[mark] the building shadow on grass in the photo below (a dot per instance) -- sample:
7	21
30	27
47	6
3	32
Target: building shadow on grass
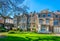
13	38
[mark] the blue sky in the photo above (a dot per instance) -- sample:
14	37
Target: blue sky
38	5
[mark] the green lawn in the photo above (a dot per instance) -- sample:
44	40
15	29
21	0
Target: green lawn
30	37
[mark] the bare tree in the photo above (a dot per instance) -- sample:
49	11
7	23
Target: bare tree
7	5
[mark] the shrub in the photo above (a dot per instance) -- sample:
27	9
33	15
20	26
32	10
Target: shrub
21	30
11	32
2	29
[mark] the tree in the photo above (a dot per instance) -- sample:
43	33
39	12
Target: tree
7	6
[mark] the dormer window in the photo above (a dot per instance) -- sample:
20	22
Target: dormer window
49	15
43	15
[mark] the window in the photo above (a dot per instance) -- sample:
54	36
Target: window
29	25
59	16
0	25
23	19
15	21
55	22
7	20
43	28
56	16
0	15
43	15
47	21
49	15
33	20
0	18
40	21
29	20
39	15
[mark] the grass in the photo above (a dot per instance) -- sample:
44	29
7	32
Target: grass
28	36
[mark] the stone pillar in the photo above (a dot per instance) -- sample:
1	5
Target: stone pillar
39	28
31	26
25	27
36	27
47	28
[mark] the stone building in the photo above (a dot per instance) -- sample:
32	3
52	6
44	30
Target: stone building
20	21
33	21
1	21
45	22
42	22
8	23
56	22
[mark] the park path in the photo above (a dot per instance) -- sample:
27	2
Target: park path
3	35
56	34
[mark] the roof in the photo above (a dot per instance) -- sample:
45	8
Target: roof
57	12
7	17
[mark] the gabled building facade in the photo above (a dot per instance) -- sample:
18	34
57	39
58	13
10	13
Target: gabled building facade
49	22
1	21
33	21
8	23
43	22
21	22
57	22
